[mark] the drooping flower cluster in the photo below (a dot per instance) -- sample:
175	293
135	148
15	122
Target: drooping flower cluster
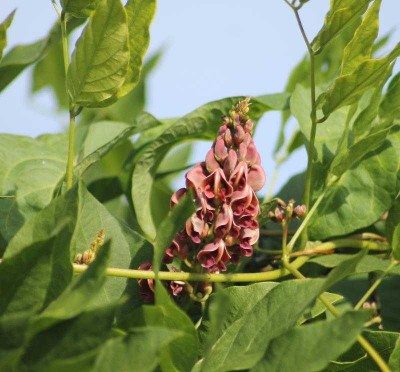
224	227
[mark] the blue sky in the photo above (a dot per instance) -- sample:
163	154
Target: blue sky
213	49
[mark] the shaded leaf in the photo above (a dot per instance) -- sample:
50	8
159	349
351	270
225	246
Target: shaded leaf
69	344
393	228
330	338
30	169
26	277
140	349
389	107
394	360
100	60
341	15
3	32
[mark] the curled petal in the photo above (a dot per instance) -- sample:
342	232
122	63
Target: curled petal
211	163
220	150
176	196
216	186
146	286
196	228
224	221
246	249
250	236
230	163
241	199
239	176
213	254
256	177
195	176
205	208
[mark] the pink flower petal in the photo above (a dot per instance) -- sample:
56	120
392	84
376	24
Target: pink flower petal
230	163
220	150
223	222
256	177
195	176
211	163
176	196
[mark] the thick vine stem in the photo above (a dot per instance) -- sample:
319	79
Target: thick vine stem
235	277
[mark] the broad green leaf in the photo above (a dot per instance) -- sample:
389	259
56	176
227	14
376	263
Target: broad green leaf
229	304
341	15
389	107
347	89
3	32
79	8
245	341
138	350
13	331
360	47
30	169
100	60
368	264
80	294
393	228
394	360
361	195
173	223
140	14
319	308
102	137
202	123
346	159
356	359
330	338
18	58
27	278
183	353
70	344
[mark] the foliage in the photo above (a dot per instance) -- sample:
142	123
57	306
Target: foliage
101	269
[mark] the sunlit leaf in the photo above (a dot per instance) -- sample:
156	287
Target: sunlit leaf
3	32
390	107
393	228
100	60
79	8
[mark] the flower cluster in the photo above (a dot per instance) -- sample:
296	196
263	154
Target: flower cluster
224	227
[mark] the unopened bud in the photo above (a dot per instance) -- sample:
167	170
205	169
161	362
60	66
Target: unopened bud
300	211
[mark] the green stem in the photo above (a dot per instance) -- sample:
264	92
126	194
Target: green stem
234	277
71	130
313	115
335	312
303	226
374	286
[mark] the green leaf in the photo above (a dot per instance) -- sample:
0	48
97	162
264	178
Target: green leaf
173	223
13	331
360	47
341	15
389	107
27	277
265	208
361	195
356	359
140	349
80	295
393	228
330	338
347	89
347	158
69	344
394	360
3	32
104	136
140	14
18	58
183	353
30	169
100	60
245	341
202	123
79	8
